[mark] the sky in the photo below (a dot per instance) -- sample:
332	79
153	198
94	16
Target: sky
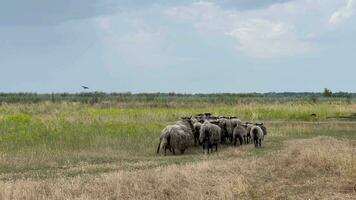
184	46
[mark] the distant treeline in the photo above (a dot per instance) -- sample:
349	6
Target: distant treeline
177	98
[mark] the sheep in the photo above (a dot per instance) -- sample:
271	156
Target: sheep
208	115
203	116
165	138
227	128
222	124
197	127
178	136
263	127
235	121
187	126
240	133
257	135
173	137
200	118
196	131
210	135
248	127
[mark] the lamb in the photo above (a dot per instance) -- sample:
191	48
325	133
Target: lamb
240	133
174	137
210	135
257	135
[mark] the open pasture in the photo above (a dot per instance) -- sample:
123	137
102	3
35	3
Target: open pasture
108	151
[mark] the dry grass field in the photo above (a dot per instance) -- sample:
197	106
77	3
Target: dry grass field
81	151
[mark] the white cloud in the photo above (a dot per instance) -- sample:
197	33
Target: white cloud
204	15
264	39
146	49
258	33
279	30
139	45
343	14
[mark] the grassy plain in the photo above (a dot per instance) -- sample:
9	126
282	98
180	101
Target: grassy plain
107	151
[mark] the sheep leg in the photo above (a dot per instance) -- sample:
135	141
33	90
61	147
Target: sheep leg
174	153
205	147
159	145
216	147
182	151
255	141
196	141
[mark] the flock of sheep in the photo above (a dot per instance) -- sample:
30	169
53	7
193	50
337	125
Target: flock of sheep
209	131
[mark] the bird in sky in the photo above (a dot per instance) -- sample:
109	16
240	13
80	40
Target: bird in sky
85	87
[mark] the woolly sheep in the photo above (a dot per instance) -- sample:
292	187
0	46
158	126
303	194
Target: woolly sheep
196	131
240	133
235	122
248	127
202	117
227	128
222	124
210	135
174	137
257	135
263	127
186	124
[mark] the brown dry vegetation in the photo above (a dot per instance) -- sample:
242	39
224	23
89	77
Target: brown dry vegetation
317	168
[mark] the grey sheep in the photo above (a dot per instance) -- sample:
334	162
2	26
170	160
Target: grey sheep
196	126
210	135
248	127
235	122
187	125
222	124
240	133
263	127
227	129
174	137
257	135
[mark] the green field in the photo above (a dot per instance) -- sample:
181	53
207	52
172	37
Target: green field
64	149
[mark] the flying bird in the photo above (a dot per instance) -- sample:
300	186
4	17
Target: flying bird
85	87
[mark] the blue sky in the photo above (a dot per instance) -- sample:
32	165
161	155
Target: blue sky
182	46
